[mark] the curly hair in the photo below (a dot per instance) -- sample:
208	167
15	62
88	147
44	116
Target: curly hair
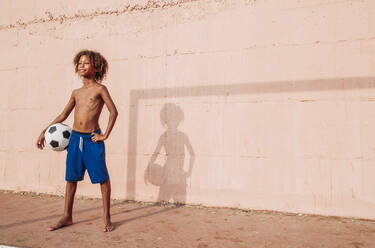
97	60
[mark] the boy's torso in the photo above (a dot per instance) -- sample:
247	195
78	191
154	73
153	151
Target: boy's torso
88	107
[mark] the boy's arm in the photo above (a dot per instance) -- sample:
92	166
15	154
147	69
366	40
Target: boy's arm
112	114
60	118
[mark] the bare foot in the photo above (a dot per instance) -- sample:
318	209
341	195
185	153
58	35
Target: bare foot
108	227
64	221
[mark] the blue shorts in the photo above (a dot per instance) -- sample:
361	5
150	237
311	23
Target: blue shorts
84	154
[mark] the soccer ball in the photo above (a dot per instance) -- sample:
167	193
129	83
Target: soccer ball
57	136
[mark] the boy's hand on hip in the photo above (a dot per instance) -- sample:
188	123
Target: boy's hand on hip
97	137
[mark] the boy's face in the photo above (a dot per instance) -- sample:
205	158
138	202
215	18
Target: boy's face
85	67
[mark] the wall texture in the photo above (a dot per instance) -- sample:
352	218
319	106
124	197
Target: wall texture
271	104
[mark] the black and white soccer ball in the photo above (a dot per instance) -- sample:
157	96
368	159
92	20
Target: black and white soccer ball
57	136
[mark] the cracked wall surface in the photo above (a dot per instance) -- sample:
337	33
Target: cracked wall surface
272	101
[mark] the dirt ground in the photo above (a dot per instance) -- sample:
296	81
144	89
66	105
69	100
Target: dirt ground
24	218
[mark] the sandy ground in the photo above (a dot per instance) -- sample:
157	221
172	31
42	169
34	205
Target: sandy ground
24	219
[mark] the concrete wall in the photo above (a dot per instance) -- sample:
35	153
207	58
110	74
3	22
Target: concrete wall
273	101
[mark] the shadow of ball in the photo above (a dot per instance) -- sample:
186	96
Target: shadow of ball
156	174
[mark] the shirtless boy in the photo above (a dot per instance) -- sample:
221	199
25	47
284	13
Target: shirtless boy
86	147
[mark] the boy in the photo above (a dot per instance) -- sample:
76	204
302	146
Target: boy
86	147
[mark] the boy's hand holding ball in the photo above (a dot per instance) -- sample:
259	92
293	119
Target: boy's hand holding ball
40	143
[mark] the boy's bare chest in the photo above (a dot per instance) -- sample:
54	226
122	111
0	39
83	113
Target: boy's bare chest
87	98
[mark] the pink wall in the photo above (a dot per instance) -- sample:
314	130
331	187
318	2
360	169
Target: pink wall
277	99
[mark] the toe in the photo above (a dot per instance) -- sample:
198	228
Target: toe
108	228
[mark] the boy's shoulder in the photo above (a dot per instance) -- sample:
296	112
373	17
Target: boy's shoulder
101	86
74	91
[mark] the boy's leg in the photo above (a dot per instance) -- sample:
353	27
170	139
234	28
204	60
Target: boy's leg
67	219
106	196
